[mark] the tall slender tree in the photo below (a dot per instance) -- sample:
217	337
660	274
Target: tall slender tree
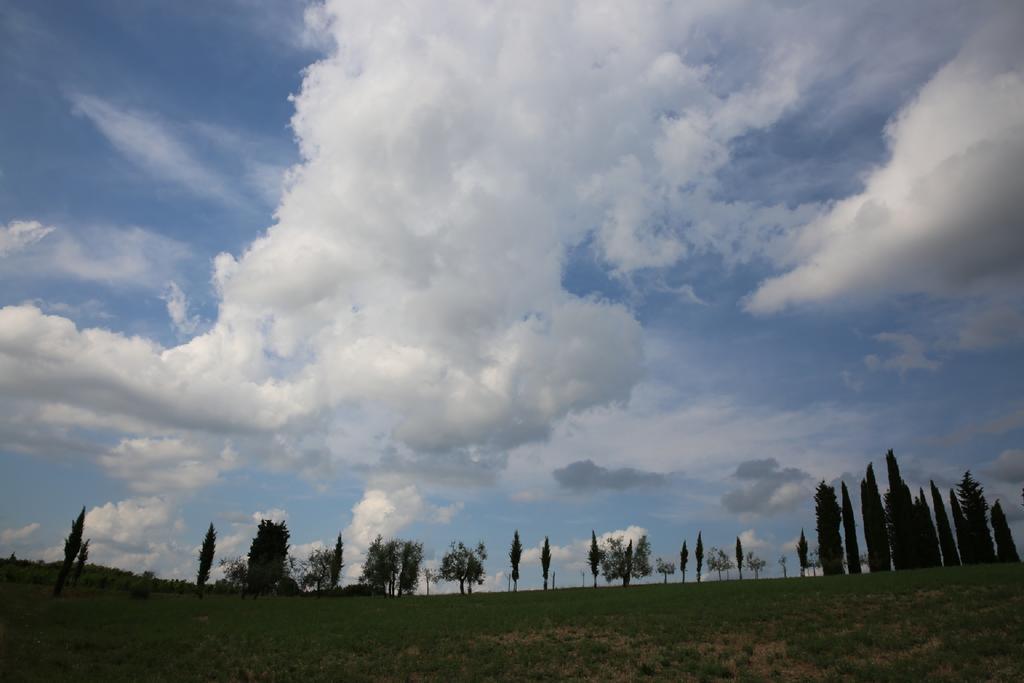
950	557
900	517
699	556
684	555
545	560
850	533
963	535
515	554
975	508
927	551
337	561
801	553
830	544
205	559
594	557
83	557
875	532
1006	550
739	557
72	544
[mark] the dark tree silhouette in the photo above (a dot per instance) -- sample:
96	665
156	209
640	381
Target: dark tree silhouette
545	560
850	533
1006	550
594	557
830	544
464	565
515	554
641	566
337	561
876	534
975	510
900	517
699	556
267	556
963	533
950	557
83	557
205	560
617	560
801	553
684	555
927	550
72	544
739	557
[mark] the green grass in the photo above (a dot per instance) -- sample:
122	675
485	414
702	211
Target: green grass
939	624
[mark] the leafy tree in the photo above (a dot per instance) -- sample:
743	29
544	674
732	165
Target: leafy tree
814	559
392	567
545	560
316	572
514	555
236	574
876	534
641	566
267	557
409	571
963	534
950	557
755	564
928	554
975	509
594	557
684	555
665	568
464	565
830	545
719	561
699	555
83	557
206	559
782	563
1006	550
72	544
337	562
429	576
617	560
739	557
900	517
850	533
801	553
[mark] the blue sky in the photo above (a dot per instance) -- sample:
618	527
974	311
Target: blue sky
448	271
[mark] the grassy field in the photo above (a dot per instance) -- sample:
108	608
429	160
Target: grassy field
939	624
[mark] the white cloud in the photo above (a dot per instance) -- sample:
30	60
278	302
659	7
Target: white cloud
155	465
15	535
177	309
18	235
750	541
942	215
386	512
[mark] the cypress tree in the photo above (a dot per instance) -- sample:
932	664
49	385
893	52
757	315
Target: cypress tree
515	553
83	557
830	545
975	509
1006	551
206	559
801	553
72	544
875	532
963	536
739	557
900	517
338	561
594	557
699	555
850	533
927	540
684	555
545	560
950	557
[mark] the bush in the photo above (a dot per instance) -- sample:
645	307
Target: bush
141	588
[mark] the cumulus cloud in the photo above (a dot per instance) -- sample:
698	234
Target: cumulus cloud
15	535
585	475
17	235
155	465
386	512
942	215
766	488
573	555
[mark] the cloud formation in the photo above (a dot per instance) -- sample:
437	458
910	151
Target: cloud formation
586	476
766	488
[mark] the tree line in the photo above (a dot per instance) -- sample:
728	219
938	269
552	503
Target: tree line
900	530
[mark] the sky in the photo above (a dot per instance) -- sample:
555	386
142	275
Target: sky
445	270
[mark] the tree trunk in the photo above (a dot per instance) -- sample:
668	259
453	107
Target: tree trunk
462	587
595	580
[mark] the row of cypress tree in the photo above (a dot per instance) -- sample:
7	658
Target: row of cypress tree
899	527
